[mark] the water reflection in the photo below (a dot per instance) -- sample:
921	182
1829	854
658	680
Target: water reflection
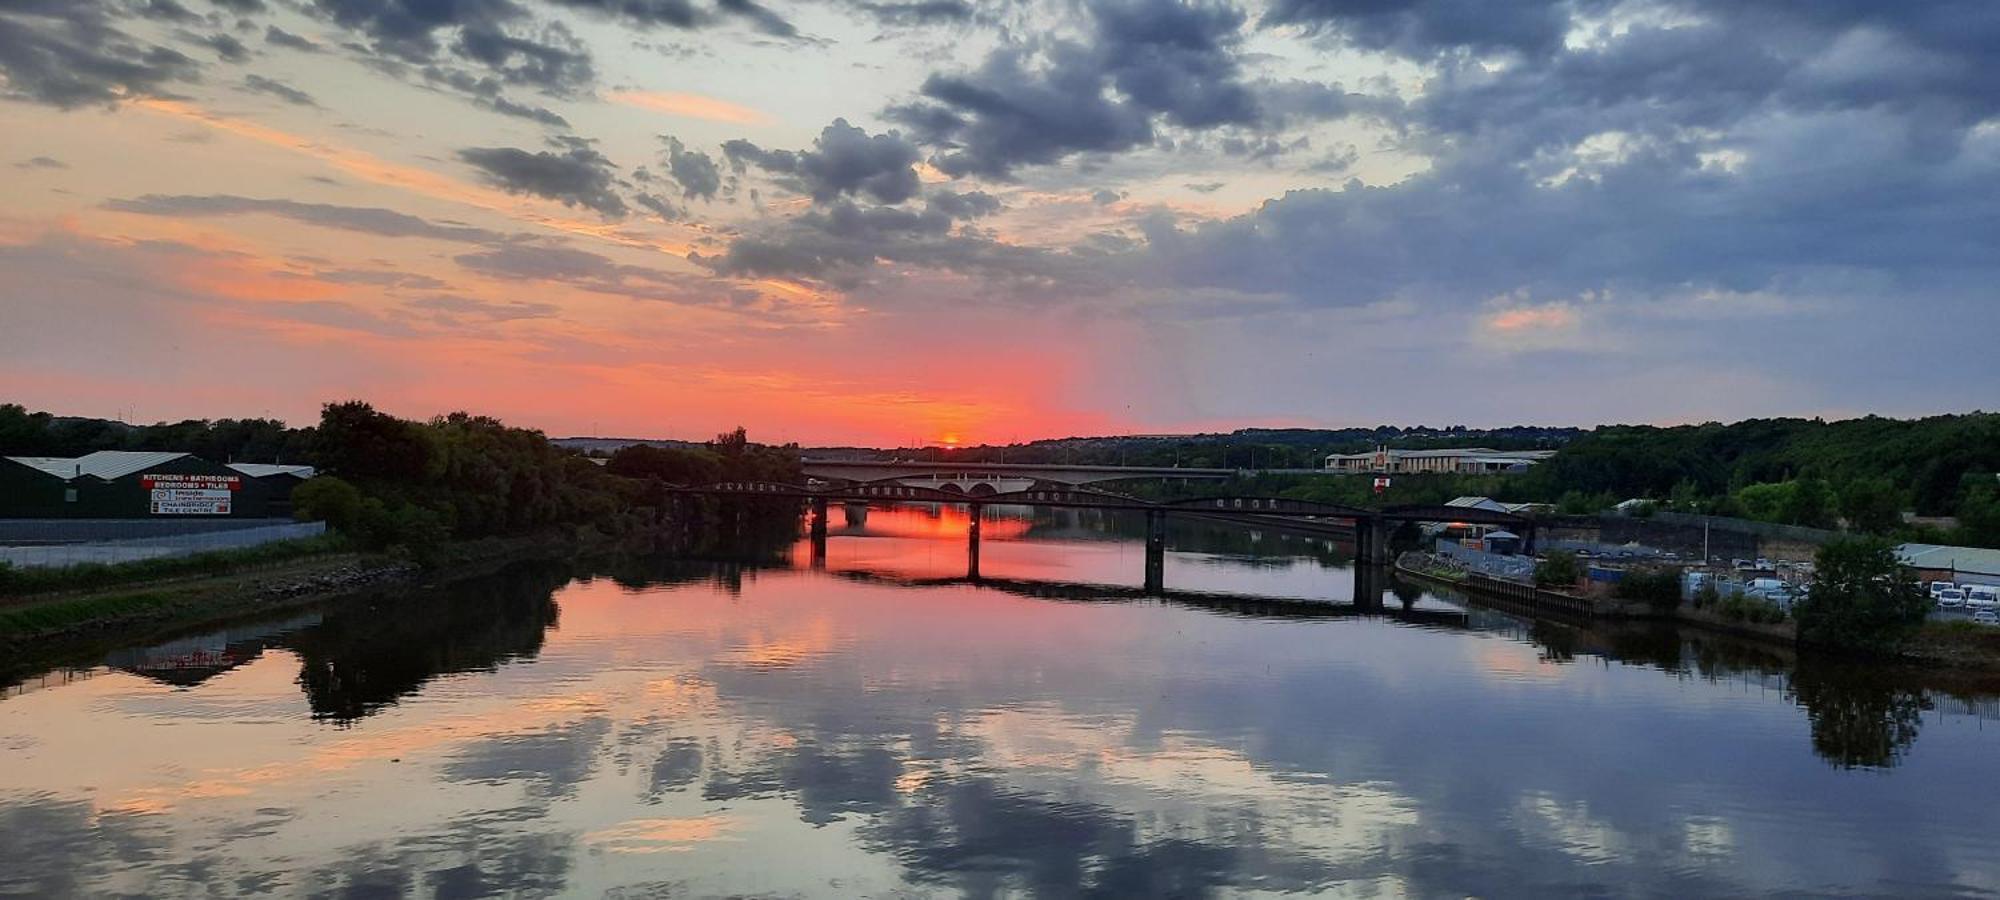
649	727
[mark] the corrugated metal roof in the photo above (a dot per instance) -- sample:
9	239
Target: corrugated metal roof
1969	560
58	466
109	464
1486	503
265	470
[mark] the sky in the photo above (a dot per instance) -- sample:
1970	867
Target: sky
896	222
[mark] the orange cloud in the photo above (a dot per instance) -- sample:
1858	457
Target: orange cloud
693	106
1533	317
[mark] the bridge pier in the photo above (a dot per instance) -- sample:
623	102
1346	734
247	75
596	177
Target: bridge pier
972	542
1156	552
819	512
1369	583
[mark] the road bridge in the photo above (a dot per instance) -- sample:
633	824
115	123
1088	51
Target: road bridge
1370	526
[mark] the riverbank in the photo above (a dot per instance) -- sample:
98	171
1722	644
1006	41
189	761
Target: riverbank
1936	645
135	609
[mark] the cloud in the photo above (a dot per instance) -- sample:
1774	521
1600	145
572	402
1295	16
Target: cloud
68	55
226	47
278	89
460	308
1430	27
920	12
365	220
1030	104
694	170
279	37
41	162
576	176
845	160
694	106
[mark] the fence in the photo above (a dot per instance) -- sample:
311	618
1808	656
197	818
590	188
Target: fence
1511	568
178	543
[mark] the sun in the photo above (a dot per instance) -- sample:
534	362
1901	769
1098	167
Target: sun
951	439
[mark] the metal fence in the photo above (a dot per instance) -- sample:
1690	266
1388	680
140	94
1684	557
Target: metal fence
1511	568
180	543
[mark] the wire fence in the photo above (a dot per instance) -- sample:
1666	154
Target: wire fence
155	546
1511	568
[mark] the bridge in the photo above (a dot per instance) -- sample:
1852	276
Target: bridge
1370	527
980	479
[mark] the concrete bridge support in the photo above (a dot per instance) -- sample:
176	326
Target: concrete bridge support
819	513
1369	584
1156	552
972	543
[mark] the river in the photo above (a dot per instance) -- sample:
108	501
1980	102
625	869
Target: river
874	725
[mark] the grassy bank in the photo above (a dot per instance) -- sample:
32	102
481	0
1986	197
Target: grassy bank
21	583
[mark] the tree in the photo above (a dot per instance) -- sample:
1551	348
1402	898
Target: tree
1860	599
328	499
1658	588
1871	505
1559	567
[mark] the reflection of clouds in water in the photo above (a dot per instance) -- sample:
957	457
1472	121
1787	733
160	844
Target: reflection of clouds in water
55	848
551	762
661	835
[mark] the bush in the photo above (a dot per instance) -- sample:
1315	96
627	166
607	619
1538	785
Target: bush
1658	588
1559	567
1706	596
330	500
1741	608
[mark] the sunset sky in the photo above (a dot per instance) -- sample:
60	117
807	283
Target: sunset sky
885	222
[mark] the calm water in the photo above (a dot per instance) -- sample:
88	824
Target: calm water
876	728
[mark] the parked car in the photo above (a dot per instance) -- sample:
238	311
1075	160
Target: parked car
1951	598
1986	617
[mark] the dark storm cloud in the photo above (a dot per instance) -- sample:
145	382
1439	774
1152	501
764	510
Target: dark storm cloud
278	89
167	11
694	170
575	175
845	160
1145	60
69	55
659	206
279	37
367	220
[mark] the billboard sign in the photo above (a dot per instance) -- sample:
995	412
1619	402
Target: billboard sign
191	495
1381	484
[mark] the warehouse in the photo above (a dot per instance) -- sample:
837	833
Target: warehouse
277	480
122	484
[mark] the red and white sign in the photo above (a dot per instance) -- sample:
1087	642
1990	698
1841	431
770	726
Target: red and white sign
185	502
1381	484
155	482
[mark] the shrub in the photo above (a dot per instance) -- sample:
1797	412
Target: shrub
1706	596
1741	608
328	499
1559	567
1658	588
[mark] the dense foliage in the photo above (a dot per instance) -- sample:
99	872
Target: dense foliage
24	433
1658	588
1860	599
1558	568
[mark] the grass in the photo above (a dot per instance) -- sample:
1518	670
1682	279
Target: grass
58	615
18	581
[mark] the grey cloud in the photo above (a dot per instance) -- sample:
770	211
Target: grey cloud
659	206
762	17
921	12
576	176
1429	27
968	205
694	170
279	37
845	160
168	11
1145	60
241	6
367	220
41	162
600	274
68	55
1208	187
278	89
226	47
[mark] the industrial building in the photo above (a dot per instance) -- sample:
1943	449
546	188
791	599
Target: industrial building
124	484
1462	461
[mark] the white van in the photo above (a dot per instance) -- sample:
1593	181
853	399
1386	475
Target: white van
1938	587
1950	598
1981	596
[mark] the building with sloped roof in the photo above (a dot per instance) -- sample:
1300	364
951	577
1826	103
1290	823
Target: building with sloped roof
122	484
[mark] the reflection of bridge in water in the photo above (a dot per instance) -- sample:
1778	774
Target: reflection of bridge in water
1367	602
1369	527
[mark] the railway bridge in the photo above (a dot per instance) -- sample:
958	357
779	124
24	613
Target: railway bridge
1370	526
